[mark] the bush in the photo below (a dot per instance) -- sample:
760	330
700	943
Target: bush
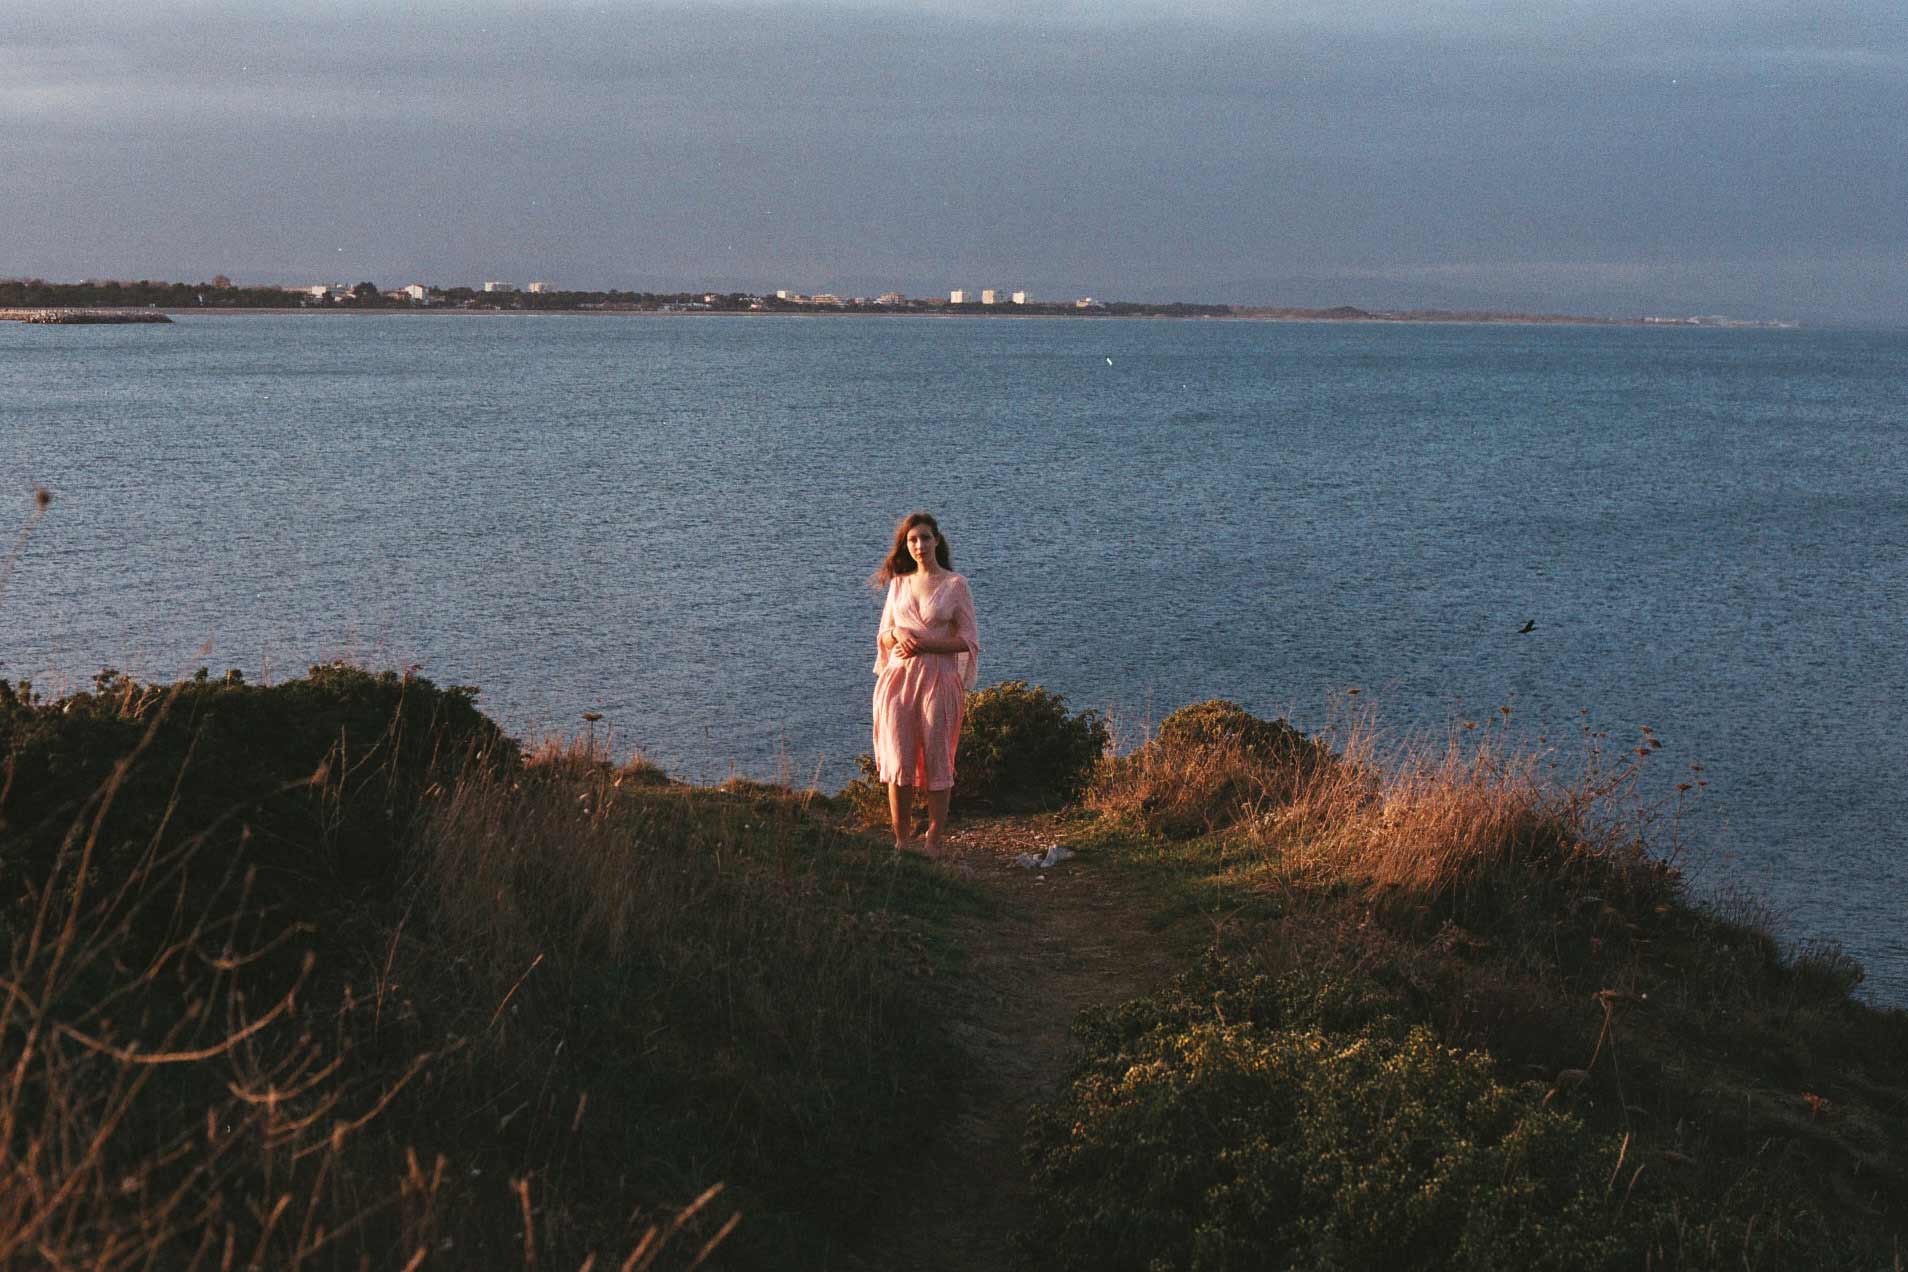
329	972
1296	1109
1272	1141
1020	750
1217	722
1208	766
315	781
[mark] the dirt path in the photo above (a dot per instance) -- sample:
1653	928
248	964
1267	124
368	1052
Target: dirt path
1065	939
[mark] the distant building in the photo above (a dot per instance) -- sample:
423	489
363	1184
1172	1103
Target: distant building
987	295
1020	298
537	289
823	298
321	291
1087	302
957	297
500	287
891	298
417	292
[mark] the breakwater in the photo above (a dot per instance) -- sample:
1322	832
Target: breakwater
82	315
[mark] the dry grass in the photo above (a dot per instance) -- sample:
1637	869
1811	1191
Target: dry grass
1473	816
1531	908
591	996
1435	819
174	1102
1211	766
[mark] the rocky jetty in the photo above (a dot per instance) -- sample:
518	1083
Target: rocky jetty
82	315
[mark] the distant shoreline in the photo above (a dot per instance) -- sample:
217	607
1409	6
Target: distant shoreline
76	314
1369	318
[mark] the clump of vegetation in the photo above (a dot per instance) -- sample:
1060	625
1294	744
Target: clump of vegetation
1230	1127
1473	829
1458	898
318	777
1208	766
330	972
1309	1117
1020	750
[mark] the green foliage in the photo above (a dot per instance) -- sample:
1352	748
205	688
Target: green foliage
1285	1106
1020	750
313	781
738	1001
1217	722
1242	1133
617	988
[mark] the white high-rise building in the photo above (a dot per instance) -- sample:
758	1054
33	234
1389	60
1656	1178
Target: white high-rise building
957	297
1020	298
987	295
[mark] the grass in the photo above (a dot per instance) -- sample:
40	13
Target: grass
331	972
1743	1107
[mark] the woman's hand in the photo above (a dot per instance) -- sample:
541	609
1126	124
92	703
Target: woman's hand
905	645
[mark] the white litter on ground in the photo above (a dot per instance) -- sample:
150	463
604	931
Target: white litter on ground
1034	861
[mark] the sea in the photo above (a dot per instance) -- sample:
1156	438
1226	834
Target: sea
670	520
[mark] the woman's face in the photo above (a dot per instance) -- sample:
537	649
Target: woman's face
921	544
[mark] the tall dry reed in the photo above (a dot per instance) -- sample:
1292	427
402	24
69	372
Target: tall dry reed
1477	814
190	1079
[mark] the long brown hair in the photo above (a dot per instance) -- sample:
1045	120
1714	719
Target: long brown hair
900	561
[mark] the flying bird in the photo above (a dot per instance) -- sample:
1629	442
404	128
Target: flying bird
1109	362
1530	625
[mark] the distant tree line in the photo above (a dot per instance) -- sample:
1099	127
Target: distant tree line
37	293
221	292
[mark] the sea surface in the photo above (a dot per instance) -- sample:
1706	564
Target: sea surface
670	520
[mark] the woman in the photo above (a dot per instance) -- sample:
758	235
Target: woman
925	656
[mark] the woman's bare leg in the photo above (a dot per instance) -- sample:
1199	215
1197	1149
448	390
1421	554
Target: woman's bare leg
937	820
901	814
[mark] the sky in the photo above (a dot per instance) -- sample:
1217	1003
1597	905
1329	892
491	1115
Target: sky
1740	157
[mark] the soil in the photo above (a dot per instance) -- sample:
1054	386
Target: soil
1062	940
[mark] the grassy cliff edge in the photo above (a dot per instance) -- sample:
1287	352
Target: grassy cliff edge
334	973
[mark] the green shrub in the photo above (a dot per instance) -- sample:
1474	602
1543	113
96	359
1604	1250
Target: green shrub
1246	1146
315	781
1218	722
414	985
1311	1119
1020	750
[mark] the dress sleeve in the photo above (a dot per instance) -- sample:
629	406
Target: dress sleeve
887	624
966	631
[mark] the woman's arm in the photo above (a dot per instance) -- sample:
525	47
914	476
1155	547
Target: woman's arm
961	637
885	634
936	644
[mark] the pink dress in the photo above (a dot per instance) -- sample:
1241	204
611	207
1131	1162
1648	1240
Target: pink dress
918	700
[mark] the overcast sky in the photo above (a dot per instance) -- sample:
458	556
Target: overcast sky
1625	156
